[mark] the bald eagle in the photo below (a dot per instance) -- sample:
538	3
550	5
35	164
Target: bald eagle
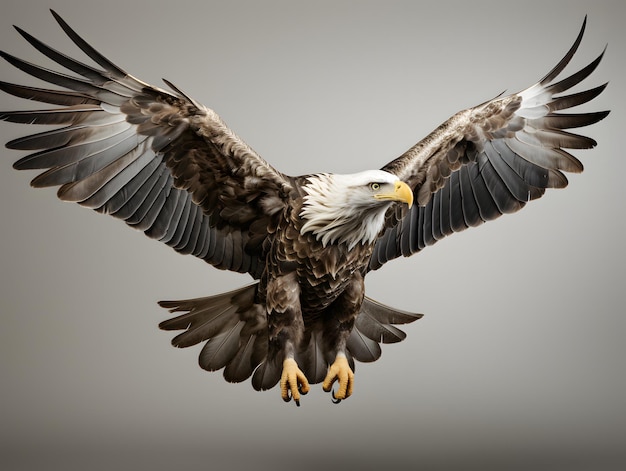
170	167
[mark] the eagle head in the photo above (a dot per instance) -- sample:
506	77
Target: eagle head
350	208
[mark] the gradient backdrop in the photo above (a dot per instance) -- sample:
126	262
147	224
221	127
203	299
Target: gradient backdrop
519	361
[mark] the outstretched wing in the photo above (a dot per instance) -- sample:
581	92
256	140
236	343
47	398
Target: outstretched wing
489	160
161	162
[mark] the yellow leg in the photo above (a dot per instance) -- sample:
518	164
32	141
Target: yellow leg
340	371
292	381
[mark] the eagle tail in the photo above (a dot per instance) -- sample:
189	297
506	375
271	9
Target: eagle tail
232	323
234	327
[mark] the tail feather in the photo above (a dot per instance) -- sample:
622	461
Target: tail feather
242	364
311	358
388	315
220	350
362	347
220	321
376	320
267	375
373	326
234	327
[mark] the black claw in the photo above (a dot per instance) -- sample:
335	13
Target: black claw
289	397
334	398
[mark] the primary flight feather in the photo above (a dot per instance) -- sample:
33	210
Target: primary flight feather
171	168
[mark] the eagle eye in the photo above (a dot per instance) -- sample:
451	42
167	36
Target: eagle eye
375	186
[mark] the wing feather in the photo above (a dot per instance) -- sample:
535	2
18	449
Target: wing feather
456	211
158	160
65	137
122	186
54	97
158	229
490	160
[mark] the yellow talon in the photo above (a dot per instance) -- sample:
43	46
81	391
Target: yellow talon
339	371
292	381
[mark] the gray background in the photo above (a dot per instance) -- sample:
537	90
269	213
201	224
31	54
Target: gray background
519	361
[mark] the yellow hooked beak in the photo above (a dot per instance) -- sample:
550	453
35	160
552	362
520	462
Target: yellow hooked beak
401	192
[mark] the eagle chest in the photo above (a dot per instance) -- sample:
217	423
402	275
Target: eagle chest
323	272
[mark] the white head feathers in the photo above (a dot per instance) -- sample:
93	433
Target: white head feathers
347	208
